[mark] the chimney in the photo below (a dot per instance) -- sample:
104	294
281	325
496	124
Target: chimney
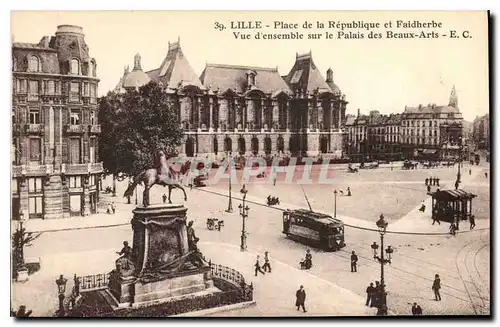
359	112
420	106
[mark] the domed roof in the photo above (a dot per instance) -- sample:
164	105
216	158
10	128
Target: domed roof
137	77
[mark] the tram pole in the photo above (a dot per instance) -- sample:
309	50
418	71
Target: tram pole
230	204
244	214
335	204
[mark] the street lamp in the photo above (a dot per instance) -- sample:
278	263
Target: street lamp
244	214
382	228
230	204
459	158
61	288
335	204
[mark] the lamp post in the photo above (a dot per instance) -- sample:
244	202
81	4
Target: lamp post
61	288
459	158
244	214
335	204
230	204
382	228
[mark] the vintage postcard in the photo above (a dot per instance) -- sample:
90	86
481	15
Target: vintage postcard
250	164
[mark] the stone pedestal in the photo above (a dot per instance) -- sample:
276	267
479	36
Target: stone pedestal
161	266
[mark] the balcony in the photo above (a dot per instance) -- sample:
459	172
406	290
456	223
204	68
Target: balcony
94	129
32	170
74	129
82	169
34	128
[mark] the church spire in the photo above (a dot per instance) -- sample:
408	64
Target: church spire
453	98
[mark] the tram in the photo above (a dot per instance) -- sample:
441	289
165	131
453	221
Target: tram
314	228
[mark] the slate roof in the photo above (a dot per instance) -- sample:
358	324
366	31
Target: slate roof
230	77
306	76
430	109
175	69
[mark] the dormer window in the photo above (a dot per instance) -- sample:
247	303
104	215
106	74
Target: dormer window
75	67
250	79
91	70
33	64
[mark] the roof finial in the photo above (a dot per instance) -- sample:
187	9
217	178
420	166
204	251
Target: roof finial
137	62
179	40
296	54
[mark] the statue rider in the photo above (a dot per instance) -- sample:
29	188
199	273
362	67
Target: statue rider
125	255
196	257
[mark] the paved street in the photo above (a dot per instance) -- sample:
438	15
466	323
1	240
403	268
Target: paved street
462	261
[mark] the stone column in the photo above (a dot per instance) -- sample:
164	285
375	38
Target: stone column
250	119
276	114
198	110
339	118
248	145
211	104
86	198
319	110
332	116
287	115
263	114
23	197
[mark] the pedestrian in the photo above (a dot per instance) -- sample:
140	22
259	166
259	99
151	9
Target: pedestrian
426	181
457	183
428	188
416	310
109	210
266	265
453	229
300	298
437	181
354	262
348	191
376	295
164	197
470	172
257	267
308	259
113	207
472	220
435	218
486	175
436	286
370	290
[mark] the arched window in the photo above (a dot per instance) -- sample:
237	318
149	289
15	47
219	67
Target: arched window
91	71
33	64
75	67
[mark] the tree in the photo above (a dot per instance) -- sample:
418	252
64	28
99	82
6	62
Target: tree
20	239
135	126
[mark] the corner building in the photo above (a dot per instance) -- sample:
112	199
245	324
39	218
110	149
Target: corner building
55	165
249	110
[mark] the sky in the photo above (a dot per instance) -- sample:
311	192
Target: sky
382	75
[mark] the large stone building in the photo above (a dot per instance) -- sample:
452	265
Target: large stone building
249	110
433	130
373	136
481	132
56	168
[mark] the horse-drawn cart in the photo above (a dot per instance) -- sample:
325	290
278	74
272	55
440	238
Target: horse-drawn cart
214	224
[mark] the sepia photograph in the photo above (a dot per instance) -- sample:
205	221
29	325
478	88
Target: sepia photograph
241	164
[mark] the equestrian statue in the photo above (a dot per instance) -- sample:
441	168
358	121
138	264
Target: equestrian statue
161	174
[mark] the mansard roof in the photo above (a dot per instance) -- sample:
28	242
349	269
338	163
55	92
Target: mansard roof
230	77
175	69
305	76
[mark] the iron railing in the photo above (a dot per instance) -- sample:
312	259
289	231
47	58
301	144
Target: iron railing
93	282
227	274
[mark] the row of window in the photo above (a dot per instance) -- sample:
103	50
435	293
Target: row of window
75	148
35	87
411	132
35	184
75	117
35	66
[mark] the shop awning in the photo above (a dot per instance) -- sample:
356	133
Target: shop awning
450	195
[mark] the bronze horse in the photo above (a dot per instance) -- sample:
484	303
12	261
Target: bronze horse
152	177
